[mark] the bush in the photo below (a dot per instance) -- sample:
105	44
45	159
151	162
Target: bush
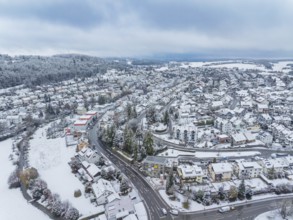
27	175
13	179
72	214
77	193
185	204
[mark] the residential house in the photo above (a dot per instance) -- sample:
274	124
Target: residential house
221	171
266	138
190	173
154	166
238	139
102	190
248	170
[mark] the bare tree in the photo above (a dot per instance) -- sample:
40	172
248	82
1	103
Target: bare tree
285	208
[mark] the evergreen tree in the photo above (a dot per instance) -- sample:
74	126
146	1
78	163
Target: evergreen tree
166	118
128	140
128	111
169	184
124	186
110	135
134	113
148	143
102	100
151	115
249	193
135	150
142	152
272	173
232	193
241	190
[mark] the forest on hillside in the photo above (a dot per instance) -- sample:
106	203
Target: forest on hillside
37	70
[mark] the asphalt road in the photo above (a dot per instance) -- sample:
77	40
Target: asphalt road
241	212
264	152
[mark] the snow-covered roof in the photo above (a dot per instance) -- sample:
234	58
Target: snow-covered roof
221	167
190	171
239	137
103	187
80	122
140	211
85	117
248	165
93	170
112	197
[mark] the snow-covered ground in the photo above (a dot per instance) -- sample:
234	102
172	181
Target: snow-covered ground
279	66
51	157
13	205
204	154
166	138
240	66
271	215
282	66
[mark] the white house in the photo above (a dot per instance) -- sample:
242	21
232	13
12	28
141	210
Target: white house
225	126
102	189
190	173
247	170
265	137
14	119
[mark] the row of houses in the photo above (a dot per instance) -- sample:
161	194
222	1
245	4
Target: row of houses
155	166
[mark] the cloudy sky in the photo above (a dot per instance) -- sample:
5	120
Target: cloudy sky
139	28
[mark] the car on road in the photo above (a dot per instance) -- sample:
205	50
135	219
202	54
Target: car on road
226	209
174	212
164	211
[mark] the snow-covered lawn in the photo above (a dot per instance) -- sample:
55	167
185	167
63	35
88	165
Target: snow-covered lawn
282	181
166	138
255	183
51	157
271	215
175	153
13	205
204	154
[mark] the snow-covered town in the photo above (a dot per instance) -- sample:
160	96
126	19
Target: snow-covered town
160	141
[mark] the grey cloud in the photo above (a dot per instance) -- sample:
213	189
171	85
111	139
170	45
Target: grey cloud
137	28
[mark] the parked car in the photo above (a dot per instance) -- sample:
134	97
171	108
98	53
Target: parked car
180	191
174	212
226	209
164	211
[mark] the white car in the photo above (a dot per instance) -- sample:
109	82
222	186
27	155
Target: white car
174	212
164	211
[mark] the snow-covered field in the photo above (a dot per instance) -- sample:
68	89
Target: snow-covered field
51	157
166	138
12	204
279	66
198	154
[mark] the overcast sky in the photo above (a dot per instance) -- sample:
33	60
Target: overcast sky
137	28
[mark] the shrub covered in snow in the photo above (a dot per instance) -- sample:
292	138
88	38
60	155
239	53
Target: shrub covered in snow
13	180
75	165
72	214
124	186
284	188
56	208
